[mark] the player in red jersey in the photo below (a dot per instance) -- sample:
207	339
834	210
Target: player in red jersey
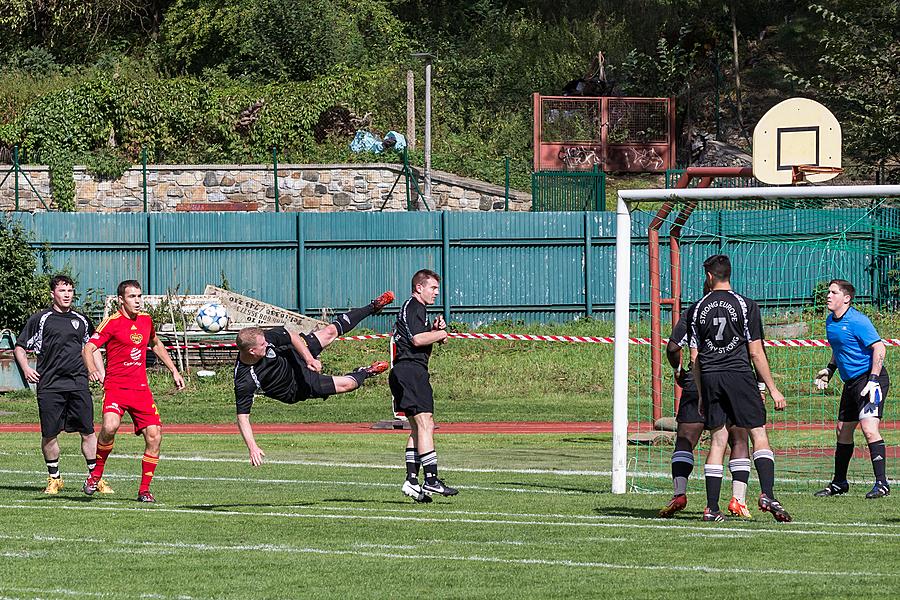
127	334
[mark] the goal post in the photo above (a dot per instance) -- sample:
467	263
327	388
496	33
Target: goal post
626	258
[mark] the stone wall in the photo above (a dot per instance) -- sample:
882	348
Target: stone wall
318	188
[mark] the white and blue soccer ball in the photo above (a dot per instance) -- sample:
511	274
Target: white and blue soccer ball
212	317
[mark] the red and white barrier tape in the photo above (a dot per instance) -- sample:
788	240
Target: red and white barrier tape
526	337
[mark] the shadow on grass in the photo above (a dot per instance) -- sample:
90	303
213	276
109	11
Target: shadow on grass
637	513
23	488
562	488
218	507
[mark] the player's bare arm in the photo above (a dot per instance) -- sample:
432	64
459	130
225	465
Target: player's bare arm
88	354
160	351
31	376
302	349
426	338
256	453
878	353
761	364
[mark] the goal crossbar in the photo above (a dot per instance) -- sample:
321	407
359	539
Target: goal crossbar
625	202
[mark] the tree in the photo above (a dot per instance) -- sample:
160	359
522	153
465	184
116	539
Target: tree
858	75
22	289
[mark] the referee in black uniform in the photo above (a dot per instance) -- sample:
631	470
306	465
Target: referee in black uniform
725	333
56	335
411	385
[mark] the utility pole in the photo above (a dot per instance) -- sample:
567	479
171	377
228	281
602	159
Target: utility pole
410	110
428	58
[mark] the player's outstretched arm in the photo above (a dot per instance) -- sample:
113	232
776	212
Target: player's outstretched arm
256	453
763	372
88	353
160	351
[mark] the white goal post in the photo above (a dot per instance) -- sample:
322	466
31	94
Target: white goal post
626	200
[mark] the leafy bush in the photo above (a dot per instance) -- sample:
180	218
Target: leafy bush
23	287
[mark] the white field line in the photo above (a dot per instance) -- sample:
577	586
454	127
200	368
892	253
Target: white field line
127	503
406	519
284	549
67	592
481	488
451	469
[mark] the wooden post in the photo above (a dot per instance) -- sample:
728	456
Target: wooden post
410	110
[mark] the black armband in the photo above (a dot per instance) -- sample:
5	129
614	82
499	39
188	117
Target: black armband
832	367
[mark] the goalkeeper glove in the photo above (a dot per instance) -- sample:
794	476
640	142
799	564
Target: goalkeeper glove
873	391
824	376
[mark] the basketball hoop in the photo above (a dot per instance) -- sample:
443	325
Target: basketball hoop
799	172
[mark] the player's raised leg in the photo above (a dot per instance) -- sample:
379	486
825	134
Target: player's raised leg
345	322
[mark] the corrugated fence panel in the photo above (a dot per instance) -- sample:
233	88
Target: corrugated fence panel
519	266
100	250
255	253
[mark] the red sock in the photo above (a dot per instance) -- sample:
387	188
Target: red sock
148	467
103	451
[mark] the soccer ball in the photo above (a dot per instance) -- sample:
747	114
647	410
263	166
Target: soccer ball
212	317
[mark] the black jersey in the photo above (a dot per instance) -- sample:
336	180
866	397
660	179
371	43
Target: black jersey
57	339
411	320
273	375
680	337
680	331
722	324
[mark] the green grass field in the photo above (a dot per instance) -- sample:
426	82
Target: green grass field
324	518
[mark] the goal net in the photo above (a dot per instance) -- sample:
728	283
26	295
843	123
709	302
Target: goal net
785	245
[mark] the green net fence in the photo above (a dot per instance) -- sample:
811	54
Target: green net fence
783	258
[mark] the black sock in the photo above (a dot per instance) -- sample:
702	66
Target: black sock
429	465
842	455
360	375
350	319
764	460
53	466
91	464
876	451
713	474
412	465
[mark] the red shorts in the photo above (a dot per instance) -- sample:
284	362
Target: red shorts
137	403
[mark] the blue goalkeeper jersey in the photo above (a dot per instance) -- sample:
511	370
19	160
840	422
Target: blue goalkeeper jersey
851	338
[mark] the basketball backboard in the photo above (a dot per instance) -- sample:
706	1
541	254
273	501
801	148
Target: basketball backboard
796	133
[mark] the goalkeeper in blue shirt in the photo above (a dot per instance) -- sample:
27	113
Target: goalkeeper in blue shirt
857	353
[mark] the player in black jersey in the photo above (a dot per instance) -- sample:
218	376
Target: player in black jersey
285	366
411	384
56	335
725	336
690	426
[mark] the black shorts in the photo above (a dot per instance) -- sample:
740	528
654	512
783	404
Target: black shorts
689	405
731	398
852	404
65	411
411	387
309	384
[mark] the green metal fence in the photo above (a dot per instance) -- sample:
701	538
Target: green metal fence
568	190
520	266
